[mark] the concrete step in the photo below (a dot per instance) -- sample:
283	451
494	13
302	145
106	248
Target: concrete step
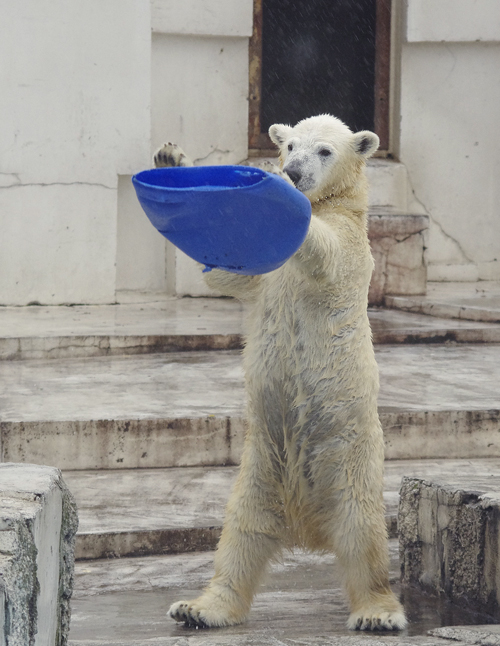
126	599
171	324
137	512
123	602
157	324
466	301
181	409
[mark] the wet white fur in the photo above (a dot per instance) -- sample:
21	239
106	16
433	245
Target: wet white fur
312	468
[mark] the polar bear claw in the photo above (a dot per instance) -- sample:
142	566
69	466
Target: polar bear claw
204	612
373	619
170	156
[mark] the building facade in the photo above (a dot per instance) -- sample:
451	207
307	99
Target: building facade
89	90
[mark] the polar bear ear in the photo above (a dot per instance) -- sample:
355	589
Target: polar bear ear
278	133
365	143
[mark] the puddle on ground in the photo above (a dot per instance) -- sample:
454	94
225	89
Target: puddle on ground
426	611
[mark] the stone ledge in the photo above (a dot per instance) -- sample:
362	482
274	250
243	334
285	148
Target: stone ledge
388	223
449	539
398	242
64	347
202	18
38	523
218	440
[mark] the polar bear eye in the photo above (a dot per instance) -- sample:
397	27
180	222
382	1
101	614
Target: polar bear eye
290	147
324	152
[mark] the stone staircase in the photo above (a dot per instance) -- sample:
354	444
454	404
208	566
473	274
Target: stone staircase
142	407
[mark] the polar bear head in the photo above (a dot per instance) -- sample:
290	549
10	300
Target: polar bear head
322	156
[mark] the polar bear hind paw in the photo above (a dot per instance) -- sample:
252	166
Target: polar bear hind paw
372	619
170	156
202	615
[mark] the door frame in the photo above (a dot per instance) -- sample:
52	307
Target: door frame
260	144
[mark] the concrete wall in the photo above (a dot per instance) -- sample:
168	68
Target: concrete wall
200	94
79	117
450	132
75	98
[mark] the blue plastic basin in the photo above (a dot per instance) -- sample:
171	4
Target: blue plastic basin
236	218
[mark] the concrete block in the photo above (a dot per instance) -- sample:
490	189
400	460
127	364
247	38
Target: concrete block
398	242
38	523
449	539
388	184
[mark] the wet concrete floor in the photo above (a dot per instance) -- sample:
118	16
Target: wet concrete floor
127	599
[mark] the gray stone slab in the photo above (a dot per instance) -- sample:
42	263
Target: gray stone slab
440	434
488	635
449	528
172	324
160	511
265	638
182	409
129	443
393	326
302	596
175	385
398	242
169	316
200	384
38	523
218	441
473	301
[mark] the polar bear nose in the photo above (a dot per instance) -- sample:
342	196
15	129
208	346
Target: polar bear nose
294	175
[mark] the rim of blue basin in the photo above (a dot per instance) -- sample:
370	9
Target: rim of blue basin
237	218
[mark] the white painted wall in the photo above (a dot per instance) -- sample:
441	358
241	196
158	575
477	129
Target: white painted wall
200	95
75	106
450	132
79	117
140	249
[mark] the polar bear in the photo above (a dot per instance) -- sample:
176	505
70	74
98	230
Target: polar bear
312	468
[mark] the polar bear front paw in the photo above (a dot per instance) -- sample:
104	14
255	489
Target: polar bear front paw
204	612
375	619
170	156
269	167
185	611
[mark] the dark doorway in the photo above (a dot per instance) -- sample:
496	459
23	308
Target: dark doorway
319	56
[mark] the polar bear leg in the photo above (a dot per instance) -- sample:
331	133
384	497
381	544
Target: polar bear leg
251	536
362	550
